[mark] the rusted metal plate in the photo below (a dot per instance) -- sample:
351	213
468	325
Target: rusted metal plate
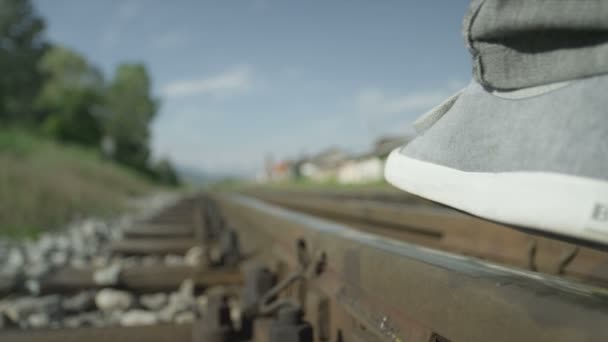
154	333
152	246
141	279
452	231
404	292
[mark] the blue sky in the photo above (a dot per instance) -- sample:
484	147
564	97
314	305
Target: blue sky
243	79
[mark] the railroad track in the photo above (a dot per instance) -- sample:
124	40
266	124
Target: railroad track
423	223
378	269
172	231
370	287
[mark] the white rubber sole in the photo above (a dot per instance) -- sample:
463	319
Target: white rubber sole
550	202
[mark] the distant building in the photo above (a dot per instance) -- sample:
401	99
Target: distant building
369	167
335	165
324	166
364	169
282	171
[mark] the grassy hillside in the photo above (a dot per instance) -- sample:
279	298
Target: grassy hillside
44	184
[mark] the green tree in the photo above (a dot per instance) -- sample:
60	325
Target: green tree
130	109
165	173
22	45
71	97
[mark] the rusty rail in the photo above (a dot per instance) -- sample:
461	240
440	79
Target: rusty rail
452	231
382	289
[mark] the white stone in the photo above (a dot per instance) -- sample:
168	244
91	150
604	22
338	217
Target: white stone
79	302
17	310
186	289
88	227
78	263
113	317
33	286
62	243
201	303
184	317
99	261
138	317
59	258
108	275
111	299
195	257
15	259
153	301
34	254
166	314
45	243
174	260
235	310
38	320
179	301
37	269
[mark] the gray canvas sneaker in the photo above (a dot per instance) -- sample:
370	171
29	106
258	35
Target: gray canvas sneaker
535	157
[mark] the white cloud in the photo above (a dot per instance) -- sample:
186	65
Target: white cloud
234	80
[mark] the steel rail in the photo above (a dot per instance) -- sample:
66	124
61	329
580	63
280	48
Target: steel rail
390	195
383	289
452	231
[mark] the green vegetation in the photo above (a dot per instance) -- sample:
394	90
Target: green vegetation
71	98
44	184
129	110
71	143
52	90
21	48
